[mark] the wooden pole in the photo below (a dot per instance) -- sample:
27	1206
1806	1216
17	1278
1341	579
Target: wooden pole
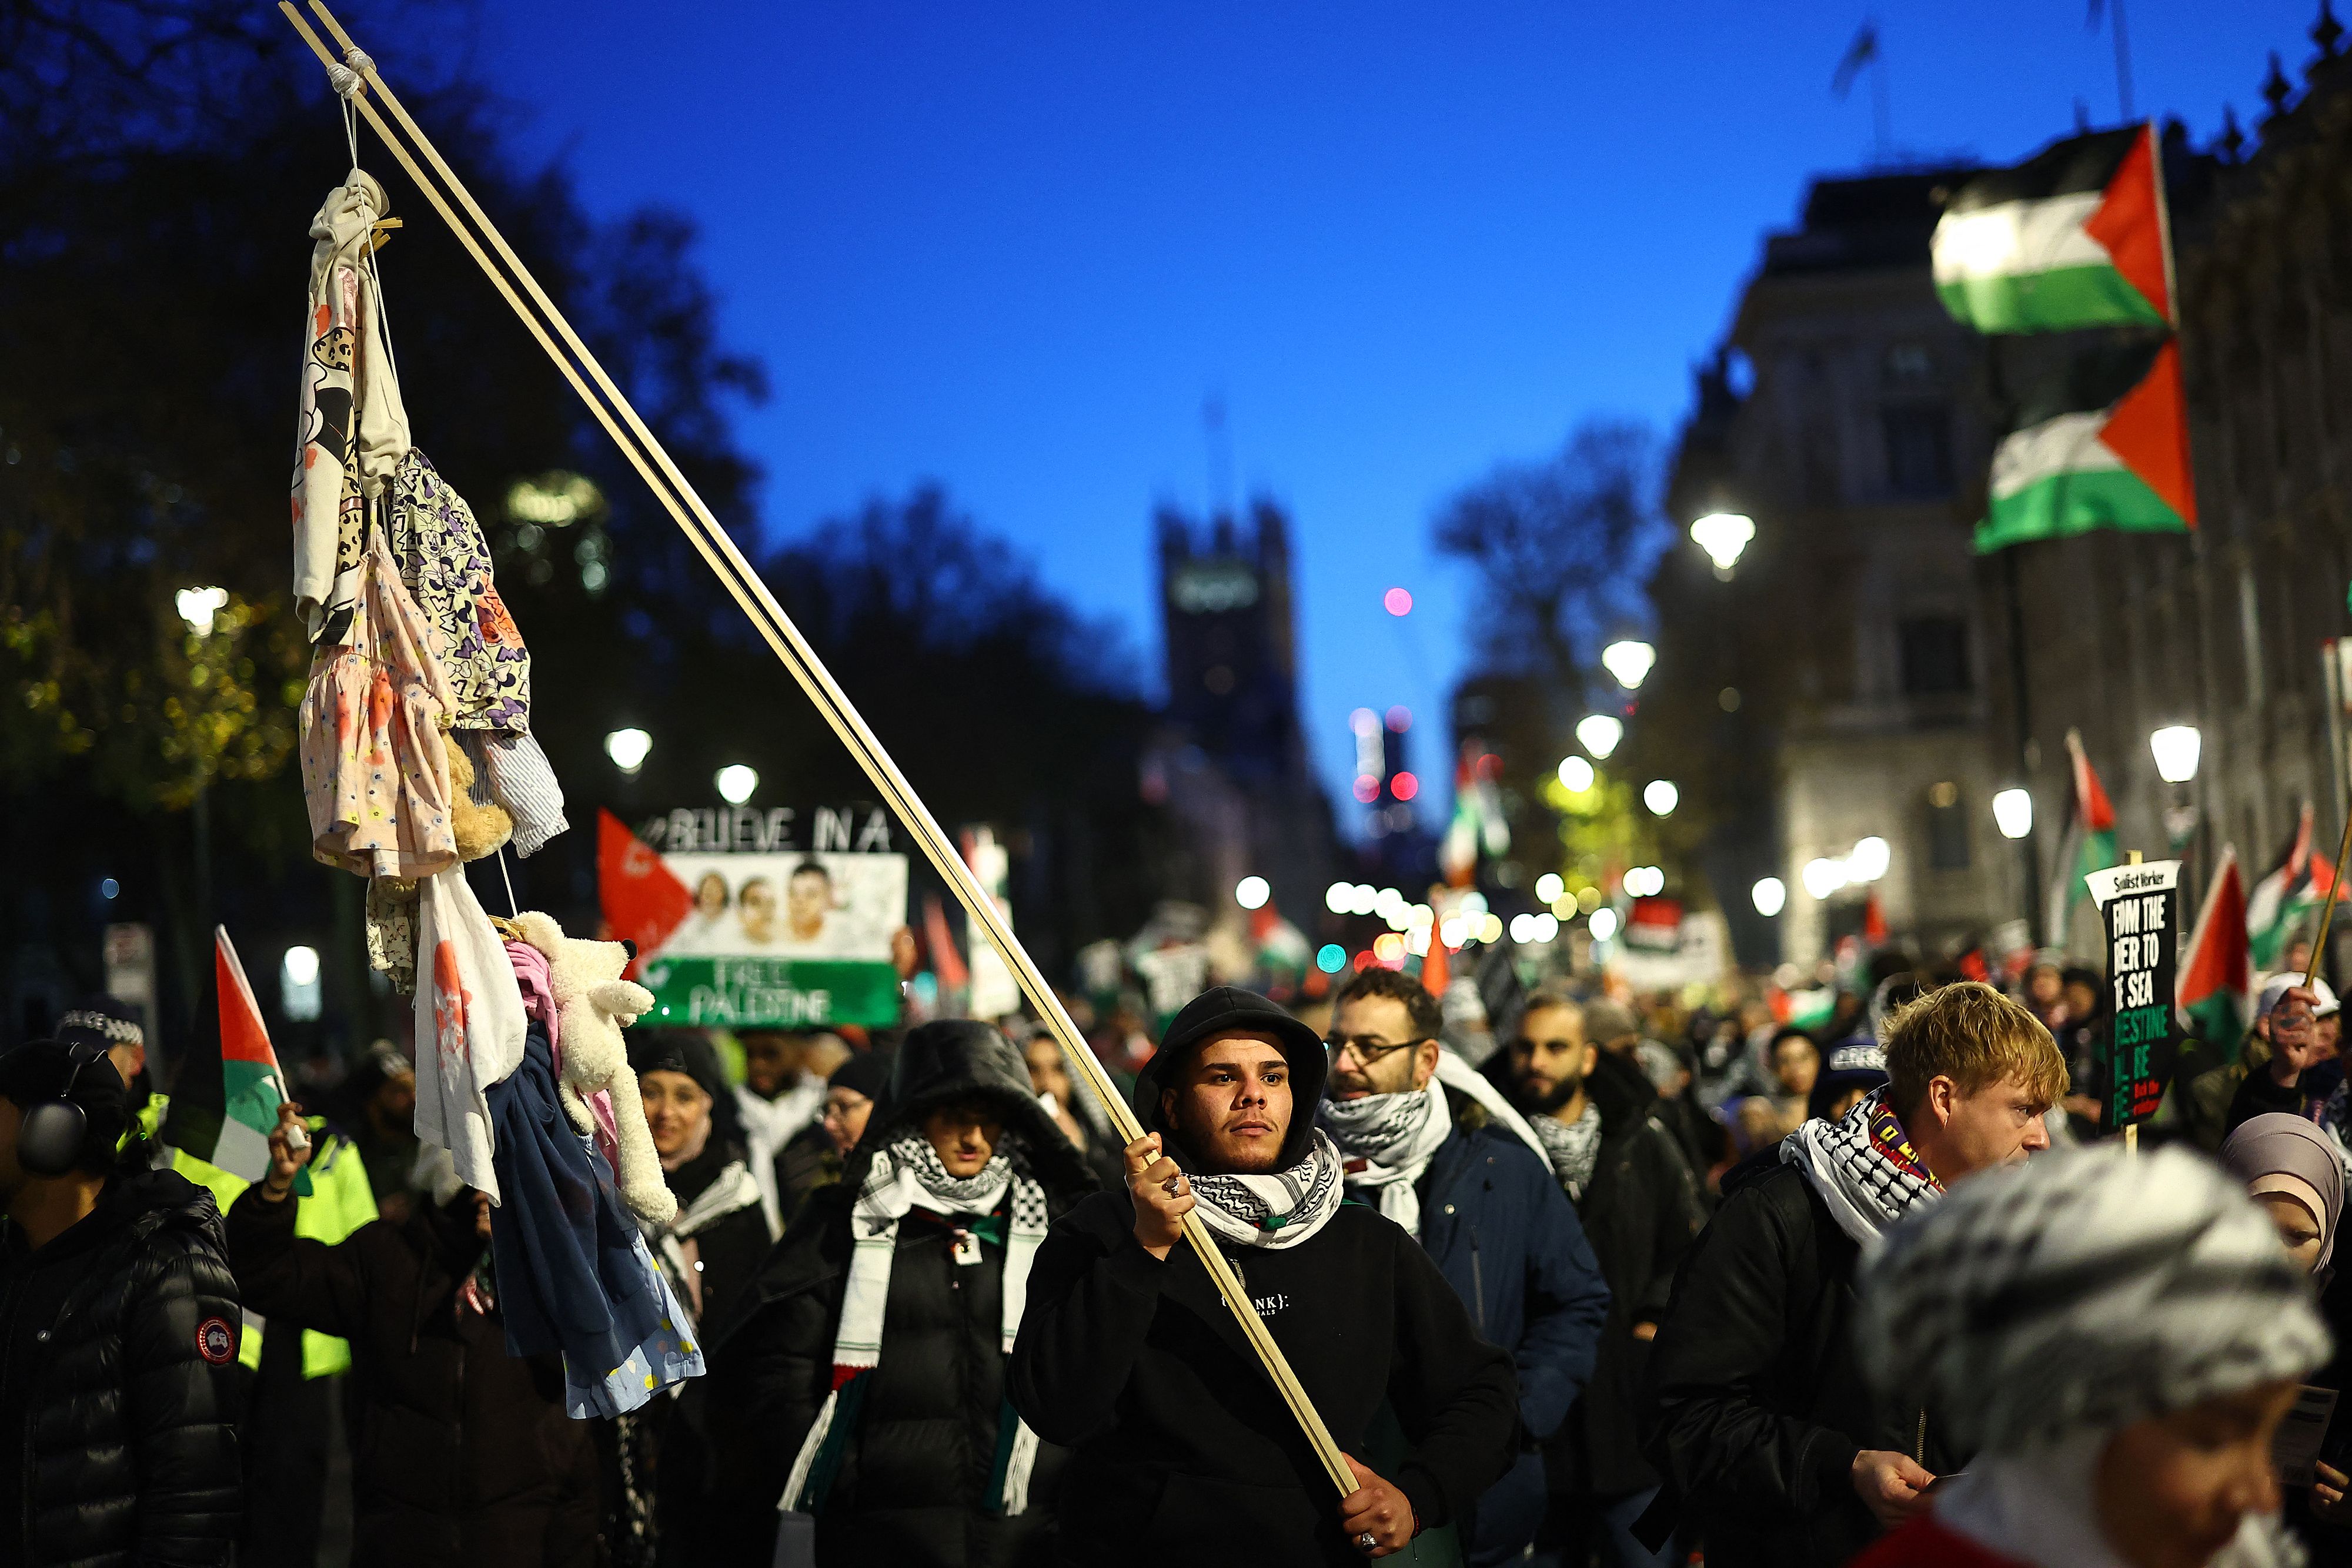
776	628
2327	910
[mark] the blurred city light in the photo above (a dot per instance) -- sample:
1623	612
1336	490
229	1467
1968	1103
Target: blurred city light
1598	733
1389	948
1823	876
1661	797
1363	898
197	606
628	748
1723	535
2012	813
1644	881
1869	859
1404	785
1331	958
297	984
1368	787
2176	748
110	890
1588	899
736	782
1629	661
1338	897
1549	887
1252	892
1399	718
1771	896
1604	924
1575	773
1397	602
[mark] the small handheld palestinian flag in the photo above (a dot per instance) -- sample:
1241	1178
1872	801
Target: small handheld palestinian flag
2074	236
2089	845
2217	973
226	1096
2282	901
2104	444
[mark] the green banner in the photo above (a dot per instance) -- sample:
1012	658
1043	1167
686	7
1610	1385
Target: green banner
771	993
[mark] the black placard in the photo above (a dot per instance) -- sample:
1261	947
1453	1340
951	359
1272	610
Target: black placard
2139	907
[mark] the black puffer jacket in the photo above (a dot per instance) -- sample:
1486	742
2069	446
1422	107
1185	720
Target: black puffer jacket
1641	1212
465	1454
915	1483
1756	1403
120	1385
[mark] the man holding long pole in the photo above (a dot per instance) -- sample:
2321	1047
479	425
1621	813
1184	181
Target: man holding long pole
1181	1446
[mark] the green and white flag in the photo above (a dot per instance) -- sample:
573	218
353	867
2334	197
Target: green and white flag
2103	446
2074	236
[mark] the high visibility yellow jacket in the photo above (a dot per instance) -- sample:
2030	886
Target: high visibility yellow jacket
340	1201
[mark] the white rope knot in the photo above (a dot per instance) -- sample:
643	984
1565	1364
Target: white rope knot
348	77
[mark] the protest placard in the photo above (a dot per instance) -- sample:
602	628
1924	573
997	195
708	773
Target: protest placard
2138	909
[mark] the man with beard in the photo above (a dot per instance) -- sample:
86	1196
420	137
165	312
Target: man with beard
1486	1210
1182	1449
1597	1116
1757	1411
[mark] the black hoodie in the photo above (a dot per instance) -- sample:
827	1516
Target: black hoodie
914	1484
119	1386
1182	1448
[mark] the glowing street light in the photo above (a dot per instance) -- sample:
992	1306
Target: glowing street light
2012	813
1823	876
736	782
628	748
1629	661
1661	797
197	606
1576	774
1869	859
1252	892
2177	748
1599	733
1549	887
1723	535
1603	924
1339	897
1771	896
298	988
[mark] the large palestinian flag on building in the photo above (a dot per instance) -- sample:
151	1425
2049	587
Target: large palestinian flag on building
2102	443
226	1096
2074	236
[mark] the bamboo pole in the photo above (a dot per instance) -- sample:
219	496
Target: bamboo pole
768	618
2327	910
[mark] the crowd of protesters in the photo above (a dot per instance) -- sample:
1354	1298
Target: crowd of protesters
1587	1280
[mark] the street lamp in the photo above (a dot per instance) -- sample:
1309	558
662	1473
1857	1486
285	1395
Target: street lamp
1661	796
2177	748
2012	813
628	748
1598	733
1630	661
736	782
197	606
1723	535
1771	896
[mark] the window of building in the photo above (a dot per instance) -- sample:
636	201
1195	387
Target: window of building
1918	449
1948	829
1933	652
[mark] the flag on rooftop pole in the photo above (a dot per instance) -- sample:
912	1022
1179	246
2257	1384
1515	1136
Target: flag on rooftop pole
2217	973
2089	845
226	1096
2104	444
2074	236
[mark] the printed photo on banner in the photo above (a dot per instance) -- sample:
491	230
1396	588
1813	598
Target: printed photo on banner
800	904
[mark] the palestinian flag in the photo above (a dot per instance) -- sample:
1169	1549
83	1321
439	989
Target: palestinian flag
2216	988
2089	845
226	1096
2282	901
2103	446
2074	236
642	901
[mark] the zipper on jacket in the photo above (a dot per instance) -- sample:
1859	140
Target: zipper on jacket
1478	1279
1922	1455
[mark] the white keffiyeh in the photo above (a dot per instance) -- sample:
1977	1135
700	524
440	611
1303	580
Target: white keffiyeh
1863	1166
908	1175
1573	1148
1385	1142
1278	1210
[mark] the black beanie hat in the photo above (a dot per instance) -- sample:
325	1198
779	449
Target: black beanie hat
866	1072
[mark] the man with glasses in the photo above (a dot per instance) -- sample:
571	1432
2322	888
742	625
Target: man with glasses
1485	1209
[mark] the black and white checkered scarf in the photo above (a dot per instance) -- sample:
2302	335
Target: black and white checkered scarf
1280	1209
1573	1148
1863	1167
1385	1142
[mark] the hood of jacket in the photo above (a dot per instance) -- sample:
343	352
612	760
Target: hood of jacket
1621	1089
1227	1009
950	1059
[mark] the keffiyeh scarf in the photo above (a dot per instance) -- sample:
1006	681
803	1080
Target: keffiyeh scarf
908	1175
1385	1142
1279	1209
1573	1148
1863	1166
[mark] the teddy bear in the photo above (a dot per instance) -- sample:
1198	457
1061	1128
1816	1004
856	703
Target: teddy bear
593	1004
480	828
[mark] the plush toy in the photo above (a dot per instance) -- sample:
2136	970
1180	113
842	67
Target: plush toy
593	1004
480	829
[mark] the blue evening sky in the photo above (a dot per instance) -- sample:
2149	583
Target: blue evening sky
1013	247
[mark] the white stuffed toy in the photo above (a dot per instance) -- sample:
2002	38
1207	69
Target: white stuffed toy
593	1004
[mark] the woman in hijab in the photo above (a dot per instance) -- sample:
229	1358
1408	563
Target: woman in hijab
2116	1337
2294	1171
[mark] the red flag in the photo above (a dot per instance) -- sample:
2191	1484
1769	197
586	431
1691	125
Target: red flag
946	962
2090	796
1873	920
1436	969
644	903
